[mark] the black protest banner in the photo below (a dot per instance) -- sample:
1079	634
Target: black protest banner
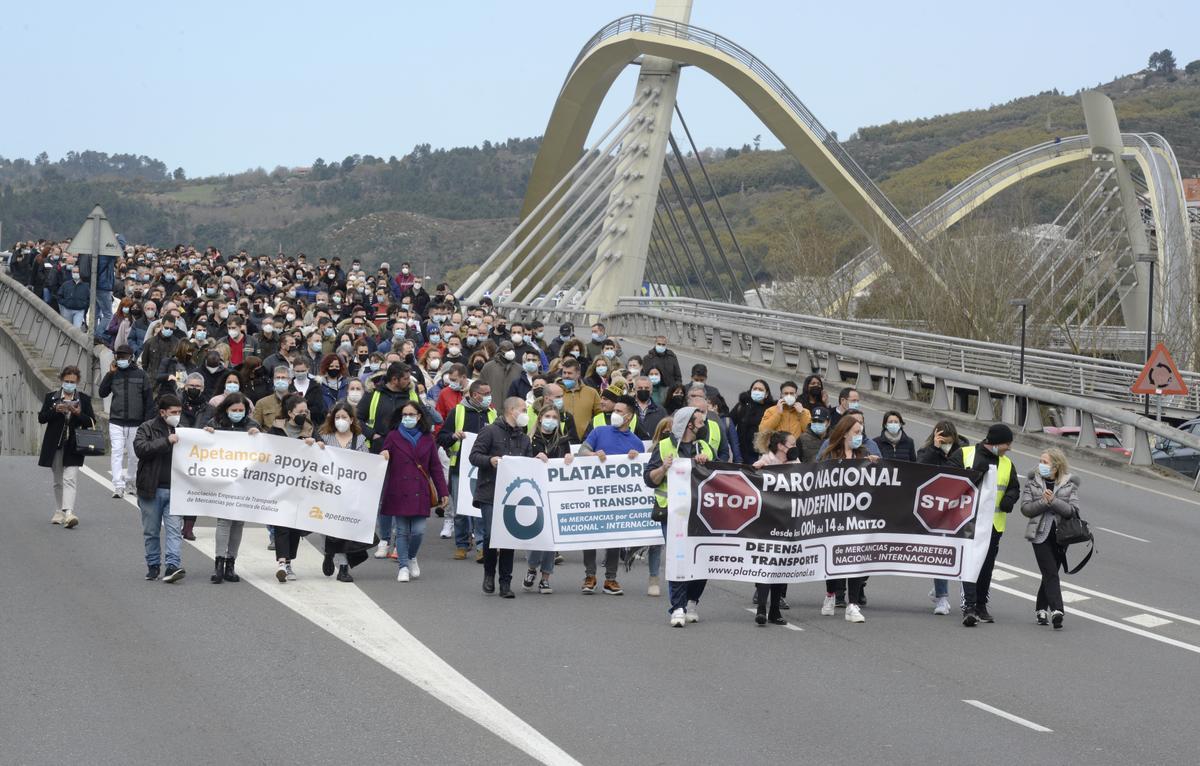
813	521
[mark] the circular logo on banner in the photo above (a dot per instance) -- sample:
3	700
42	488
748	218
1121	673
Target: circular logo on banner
523	511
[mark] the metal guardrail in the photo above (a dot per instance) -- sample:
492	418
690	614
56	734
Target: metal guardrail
750	345
1096	379
42	328
637	23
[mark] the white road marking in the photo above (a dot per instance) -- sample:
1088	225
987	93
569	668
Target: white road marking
1147	621
1114	599
1008	716
1002	576
789	626
1122	534
354	618
1035	455
1108	622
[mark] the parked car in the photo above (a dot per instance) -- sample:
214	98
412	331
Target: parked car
1104	437
1172	454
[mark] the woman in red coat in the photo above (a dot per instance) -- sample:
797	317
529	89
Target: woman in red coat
414	483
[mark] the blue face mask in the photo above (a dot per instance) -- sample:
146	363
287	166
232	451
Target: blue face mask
609	353
758	396
69	387
232	388
856	441
472	340
893	428
661	349
408	421
655	380
123	364
236	416
1044	470
854	406
530	367
167	332
435	338
201	335
549	424
818	428
487	401
568	384
281	385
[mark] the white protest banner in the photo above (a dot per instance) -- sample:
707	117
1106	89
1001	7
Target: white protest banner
274	480
467	476
817	521
588	504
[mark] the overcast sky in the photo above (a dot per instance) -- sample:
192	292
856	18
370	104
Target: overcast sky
219	87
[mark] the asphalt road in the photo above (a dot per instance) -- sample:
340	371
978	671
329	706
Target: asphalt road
99	666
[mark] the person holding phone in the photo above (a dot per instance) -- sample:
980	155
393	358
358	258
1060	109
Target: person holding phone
63	411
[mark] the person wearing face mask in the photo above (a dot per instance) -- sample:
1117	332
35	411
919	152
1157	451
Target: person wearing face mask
454	379
403	281
504	438
548	439
267	409
503	369
132	404
992	451
74	295
232	415
583	402
154	443
523	344
1051	494
334	383
342	431
524	383
574	349
682	438
566	332
285	350
415	483
595	345
237	345
813	438
893	443
375	411
845	443
162	345
214	372
665	360
942	448
293	422
63	412
648	412
470	416
848	401
429	364
600	374
748	413
813	392
196	412
788	414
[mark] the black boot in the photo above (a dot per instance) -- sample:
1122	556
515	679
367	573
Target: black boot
218	571
230	575
774	616
489	584
343	574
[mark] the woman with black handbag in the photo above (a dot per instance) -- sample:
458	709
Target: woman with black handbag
1051	495
64	412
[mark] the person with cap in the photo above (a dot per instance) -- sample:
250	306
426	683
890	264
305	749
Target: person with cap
608	400
991	452
615	438
132	404
665	360
684	441
810	441
566	332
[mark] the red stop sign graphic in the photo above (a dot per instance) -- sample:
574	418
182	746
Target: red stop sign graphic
945	503
727	501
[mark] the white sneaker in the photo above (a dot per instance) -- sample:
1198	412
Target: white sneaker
942	606
382	551
414	568
58	518
288	570
71	521
678	618
403	575
653	588
854	614
447	529
281	572
828	606
693	615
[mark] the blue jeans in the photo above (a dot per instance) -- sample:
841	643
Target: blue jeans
654	559
156	517
74	316
410	530
681	592
543	560
465	527
387	529
941	588
104	301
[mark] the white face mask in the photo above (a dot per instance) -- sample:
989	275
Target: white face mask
342	425
510	355
617	420
354	397
523	420
172	420
789	400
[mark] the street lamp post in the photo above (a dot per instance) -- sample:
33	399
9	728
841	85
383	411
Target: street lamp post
1023	303
1150	261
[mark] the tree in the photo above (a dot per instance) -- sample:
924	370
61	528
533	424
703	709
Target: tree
1162	62
179	175
42	160
1193	67
319	171
757	141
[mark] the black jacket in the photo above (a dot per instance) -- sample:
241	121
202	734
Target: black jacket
747	414
905	449
153	449
931	455
389	402
132	396
497	439
667	364
60	429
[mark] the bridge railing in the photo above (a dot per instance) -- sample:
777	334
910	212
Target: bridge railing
638	23
771	347
1046	370
56	341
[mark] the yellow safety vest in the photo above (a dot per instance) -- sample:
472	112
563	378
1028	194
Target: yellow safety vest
460	420
667	448
374	408
714	435
601	419
1004	476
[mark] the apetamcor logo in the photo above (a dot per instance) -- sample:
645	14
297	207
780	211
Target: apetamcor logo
316	513
945	503
727	501
523	511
